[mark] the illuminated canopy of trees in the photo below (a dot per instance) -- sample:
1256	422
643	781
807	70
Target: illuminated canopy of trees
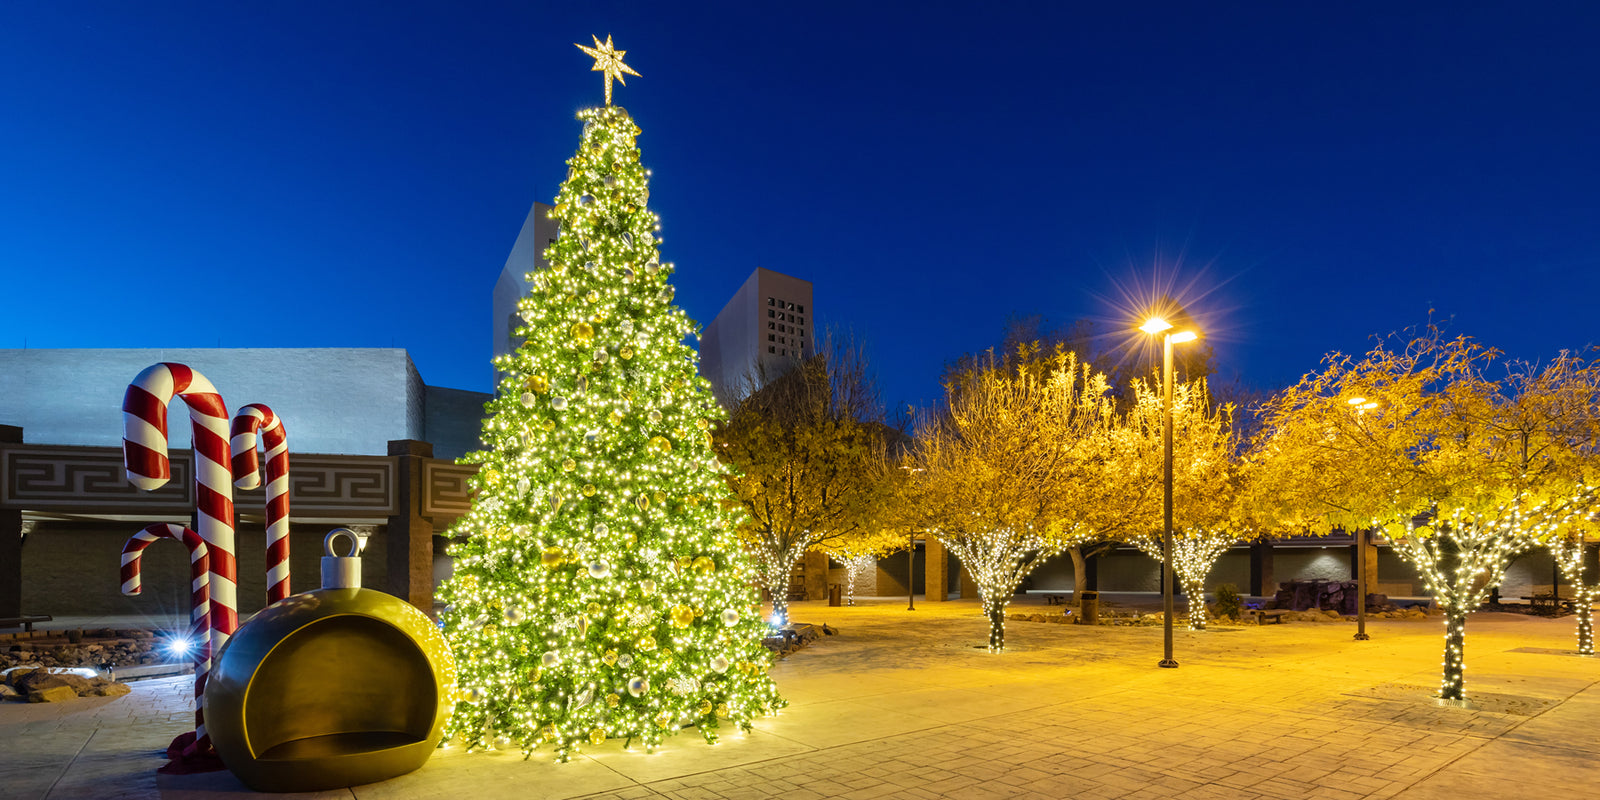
1462	463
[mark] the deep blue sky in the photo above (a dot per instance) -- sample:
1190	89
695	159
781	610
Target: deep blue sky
353	174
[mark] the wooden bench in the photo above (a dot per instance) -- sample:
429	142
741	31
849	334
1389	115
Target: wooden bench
26	621
1549	605
1264	616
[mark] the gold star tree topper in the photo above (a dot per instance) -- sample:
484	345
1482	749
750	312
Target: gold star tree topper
608	60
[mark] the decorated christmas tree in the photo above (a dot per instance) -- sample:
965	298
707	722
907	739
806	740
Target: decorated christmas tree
600	590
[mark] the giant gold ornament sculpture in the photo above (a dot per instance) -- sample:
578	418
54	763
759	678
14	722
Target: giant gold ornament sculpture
331	688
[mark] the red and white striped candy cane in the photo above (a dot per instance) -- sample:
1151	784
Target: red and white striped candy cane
200	602
144	451
250	420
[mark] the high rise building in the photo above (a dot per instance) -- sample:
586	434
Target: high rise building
765	327
539	231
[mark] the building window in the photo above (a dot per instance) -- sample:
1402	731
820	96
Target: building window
801	309
771	338
771	349
769	300
770	312
770	326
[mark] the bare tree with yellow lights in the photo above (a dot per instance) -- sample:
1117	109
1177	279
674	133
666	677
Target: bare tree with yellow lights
1460	470
1010	468
1209	485
809	464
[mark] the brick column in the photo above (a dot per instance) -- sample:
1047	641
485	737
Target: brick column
936	575
409	549
969	587
10	544
816	572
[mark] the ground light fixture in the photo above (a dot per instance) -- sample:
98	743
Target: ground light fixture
1153	326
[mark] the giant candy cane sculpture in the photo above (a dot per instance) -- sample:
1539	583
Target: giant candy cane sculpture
250	420
200	607
144	450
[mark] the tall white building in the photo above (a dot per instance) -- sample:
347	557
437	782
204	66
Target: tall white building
539	232
765	327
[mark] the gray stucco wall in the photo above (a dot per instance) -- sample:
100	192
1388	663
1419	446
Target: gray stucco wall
454	421
347	401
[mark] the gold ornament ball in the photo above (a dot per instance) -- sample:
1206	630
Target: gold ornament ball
705	707
703	424
552	556
682	616
661	497
538	384
491	476
705	565
625	353
548	425
722	710
613	700
610	658
597	736
647	643
615	417
569	465
684	563
660	445
592	296
589	490
583	332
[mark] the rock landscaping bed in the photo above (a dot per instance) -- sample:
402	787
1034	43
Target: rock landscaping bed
41	685
97	649
790	638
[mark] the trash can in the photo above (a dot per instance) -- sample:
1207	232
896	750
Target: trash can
1089	608
835	594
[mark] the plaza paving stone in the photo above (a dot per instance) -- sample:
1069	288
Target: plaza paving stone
909	705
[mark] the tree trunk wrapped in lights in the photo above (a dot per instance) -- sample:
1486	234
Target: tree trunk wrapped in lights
1569	553
860	551
808	452
1463	555
600	590
1210	484
1194	552
1461	471
1015	468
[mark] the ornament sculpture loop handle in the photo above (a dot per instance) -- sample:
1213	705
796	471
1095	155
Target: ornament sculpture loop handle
341	572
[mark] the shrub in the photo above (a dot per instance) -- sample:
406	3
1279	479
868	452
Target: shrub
1227	600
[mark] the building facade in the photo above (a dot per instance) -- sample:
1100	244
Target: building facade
538	232
766	326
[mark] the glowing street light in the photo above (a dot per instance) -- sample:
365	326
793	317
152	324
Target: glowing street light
1153	326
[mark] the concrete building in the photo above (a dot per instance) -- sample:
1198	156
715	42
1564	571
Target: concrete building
766	326
538	232
333	400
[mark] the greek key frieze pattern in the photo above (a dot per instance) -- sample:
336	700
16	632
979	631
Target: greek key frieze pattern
324	484
446	493
91	480
85	478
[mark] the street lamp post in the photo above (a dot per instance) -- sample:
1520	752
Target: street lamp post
1362	406
911	558
1154	326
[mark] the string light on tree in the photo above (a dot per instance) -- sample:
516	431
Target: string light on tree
1194	552
600	590
1569	554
